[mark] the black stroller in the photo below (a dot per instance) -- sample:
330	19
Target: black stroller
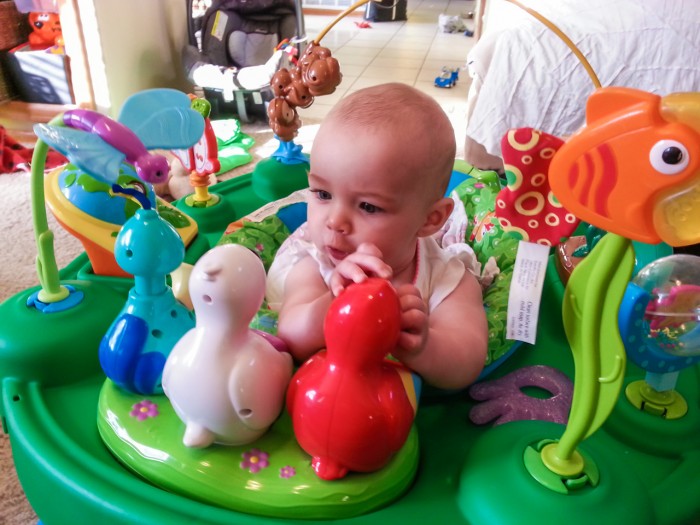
231	53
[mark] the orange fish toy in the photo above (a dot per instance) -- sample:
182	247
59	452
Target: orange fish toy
657	140
633	170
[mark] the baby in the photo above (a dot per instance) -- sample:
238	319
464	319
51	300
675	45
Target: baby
380	166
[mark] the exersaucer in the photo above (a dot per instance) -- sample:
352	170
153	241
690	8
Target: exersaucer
87	451
53	388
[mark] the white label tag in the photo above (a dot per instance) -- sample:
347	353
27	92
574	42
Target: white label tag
526	291
257	98
219	26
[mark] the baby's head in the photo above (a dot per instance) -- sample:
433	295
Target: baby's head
380	164
411	127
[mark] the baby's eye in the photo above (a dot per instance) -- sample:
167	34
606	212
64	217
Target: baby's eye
369	208
322	195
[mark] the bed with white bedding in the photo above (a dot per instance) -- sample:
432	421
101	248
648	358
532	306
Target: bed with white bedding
525	76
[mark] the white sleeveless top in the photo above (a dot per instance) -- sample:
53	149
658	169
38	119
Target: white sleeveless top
438	270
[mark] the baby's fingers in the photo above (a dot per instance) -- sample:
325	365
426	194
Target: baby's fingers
413	321
410	343
369	249
368	263
345	273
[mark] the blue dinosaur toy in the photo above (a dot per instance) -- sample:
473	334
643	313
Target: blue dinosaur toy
134	350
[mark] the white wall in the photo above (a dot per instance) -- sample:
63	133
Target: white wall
133	45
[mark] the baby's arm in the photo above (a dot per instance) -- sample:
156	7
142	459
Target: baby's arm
303	310
307	297
448	347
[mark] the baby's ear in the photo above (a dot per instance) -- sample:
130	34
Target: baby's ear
437	215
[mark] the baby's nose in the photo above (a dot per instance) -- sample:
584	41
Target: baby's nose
338	221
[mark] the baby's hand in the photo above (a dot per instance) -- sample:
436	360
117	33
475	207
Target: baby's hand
414	322
364	262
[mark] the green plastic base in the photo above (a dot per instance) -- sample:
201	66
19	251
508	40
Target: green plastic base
286	487
237	199
274	180
668	405
42	344
51	383
496	460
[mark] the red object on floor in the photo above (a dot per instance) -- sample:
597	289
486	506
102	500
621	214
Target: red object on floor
15	157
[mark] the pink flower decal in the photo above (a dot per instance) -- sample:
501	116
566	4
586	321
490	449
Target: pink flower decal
144	409
287	472
254	460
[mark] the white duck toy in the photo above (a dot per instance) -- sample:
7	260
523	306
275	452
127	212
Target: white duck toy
226	382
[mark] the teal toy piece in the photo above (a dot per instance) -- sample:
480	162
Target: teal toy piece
288	152
134	349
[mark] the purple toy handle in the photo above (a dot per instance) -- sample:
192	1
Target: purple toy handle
149	167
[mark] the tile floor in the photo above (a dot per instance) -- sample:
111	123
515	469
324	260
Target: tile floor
412	51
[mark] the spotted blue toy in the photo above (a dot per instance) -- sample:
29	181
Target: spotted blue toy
134	350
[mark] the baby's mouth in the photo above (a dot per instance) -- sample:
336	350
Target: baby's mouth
335	254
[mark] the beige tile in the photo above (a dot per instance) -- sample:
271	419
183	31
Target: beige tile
332	40
350	56
428	74
333	98
394	51
346	82
394	74
352	49
397	63
376	31
422	39
454	96
369	39
351	70
436	64
457	51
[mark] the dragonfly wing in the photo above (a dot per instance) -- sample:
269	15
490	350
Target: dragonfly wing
162	119
86	150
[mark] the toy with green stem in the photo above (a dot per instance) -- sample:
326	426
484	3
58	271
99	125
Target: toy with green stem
660	182
51	289
160	118
591	299
633	170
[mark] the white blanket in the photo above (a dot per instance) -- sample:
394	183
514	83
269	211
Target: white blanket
525	76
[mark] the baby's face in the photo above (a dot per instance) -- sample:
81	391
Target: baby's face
363	190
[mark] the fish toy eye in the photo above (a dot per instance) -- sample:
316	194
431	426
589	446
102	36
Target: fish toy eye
669	157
